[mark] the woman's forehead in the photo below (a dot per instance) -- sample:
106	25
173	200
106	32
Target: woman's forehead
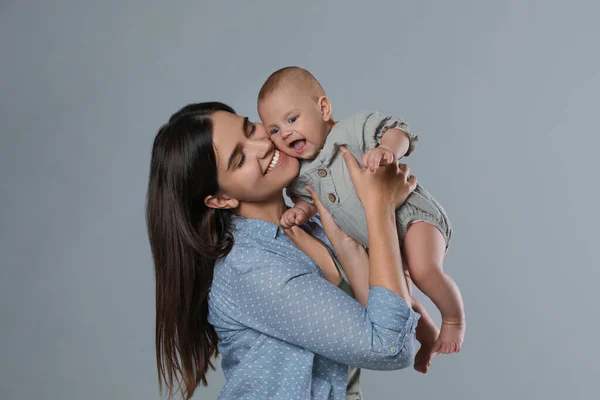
226	127
226	121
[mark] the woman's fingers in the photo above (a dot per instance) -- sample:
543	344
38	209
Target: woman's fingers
351	163
412	183
320	207
332	230
404	170
323	212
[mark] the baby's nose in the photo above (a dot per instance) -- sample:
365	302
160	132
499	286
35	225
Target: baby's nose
285	134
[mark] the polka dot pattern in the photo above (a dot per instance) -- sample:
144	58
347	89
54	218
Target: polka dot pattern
286	332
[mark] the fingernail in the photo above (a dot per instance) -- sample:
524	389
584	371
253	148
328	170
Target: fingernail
342	149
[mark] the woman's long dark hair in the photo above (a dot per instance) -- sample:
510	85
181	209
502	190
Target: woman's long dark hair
186	238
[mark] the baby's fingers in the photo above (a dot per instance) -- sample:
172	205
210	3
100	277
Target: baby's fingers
375	161
288	219
285	223
301	218
388	158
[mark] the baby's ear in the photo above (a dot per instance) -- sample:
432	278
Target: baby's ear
325	107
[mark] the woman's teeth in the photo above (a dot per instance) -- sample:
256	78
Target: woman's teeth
273	162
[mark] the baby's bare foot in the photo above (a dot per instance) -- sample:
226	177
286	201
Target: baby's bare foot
451	337
427	332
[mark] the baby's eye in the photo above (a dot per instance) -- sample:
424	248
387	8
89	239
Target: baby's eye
274	131
292	119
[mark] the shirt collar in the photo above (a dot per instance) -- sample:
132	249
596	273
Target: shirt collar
331	148
256	226
268	229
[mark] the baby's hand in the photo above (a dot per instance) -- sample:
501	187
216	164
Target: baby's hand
377	156
293	217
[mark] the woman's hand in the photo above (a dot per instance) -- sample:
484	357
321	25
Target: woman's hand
389	186
331	228
352	255
381	192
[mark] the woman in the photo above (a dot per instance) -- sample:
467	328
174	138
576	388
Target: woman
226	273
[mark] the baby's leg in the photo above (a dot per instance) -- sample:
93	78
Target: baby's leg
424	248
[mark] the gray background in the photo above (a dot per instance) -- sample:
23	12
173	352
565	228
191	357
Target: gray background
504	95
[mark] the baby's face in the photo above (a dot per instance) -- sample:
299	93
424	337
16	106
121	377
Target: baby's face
294	121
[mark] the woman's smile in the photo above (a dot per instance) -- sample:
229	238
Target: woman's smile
276	161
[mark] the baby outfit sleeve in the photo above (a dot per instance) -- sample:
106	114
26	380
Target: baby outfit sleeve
373	125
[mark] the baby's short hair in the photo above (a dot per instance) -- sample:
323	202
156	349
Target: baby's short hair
296	76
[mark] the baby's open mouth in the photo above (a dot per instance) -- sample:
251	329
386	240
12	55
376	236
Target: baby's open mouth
298	145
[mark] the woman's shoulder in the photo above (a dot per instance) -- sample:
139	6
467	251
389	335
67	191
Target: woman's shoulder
243	256
252	254
251	269
259	251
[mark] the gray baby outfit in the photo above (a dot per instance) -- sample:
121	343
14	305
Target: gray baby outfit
330	178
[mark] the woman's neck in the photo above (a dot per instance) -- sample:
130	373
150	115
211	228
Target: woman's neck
270	210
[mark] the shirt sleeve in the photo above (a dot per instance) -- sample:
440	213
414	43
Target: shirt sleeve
373	125
296	305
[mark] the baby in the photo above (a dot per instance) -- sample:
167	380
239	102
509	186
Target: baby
295	111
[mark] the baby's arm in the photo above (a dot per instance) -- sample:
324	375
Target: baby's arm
299	214
397	141
394	145
384	138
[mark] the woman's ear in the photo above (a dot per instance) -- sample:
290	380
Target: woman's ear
325	108
221	202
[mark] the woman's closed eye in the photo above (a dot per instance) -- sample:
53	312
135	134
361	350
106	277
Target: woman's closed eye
241	159
252	130
242	156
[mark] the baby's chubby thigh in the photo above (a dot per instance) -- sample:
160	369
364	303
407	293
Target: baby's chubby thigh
422	207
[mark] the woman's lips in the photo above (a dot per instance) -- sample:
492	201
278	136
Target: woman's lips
280	156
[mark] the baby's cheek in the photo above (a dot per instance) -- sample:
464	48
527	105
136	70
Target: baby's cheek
278	142
281	146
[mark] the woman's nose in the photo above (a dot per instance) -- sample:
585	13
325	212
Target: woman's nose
261	146
260	132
